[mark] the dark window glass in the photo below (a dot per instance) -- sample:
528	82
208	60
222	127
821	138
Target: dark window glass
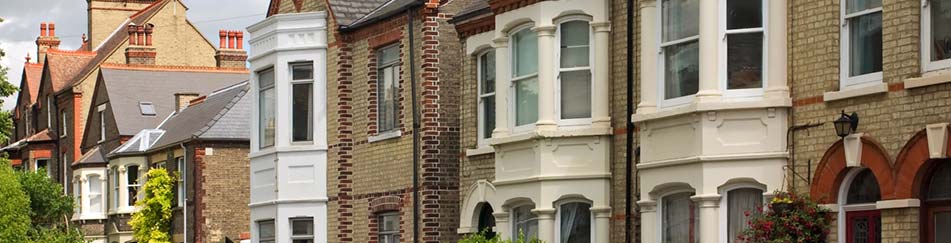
864	189
940	186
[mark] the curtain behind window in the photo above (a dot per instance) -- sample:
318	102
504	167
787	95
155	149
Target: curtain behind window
739	203
576	223
678	218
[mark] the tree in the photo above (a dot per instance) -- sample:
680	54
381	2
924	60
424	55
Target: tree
49	207
14	206
152	223
6	89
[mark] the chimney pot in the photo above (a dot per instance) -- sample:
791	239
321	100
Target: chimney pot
240	40
231	38
132	34
148	35
52	29
140	35
223	39
43	29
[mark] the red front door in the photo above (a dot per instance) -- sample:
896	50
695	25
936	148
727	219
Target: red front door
939	224
863	227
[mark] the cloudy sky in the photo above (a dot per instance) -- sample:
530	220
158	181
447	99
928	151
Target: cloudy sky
23	17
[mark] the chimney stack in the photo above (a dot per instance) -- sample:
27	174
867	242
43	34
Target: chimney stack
231	53
140	50
183	100
46	40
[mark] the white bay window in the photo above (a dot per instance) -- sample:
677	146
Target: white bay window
95	194
936	37
739	203
524	223
525	76
267	107
574	219
574	74
302	83
679	51
744	42
861	51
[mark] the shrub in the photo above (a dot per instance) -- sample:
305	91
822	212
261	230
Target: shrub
14	206
152	223
788	218
482	238
49	207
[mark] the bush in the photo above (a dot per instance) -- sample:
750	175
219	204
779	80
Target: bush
788	218
49	207
14	206
482	238
152	223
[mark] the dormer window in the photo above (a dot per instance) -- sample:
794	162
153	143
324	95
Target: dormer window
102	122
147	109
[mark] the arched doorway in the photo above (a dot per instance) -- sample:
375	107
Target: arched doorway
936	200
486	220
862	221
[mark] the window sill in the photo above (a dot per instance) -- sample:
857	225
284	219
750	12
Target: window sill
928	79
479	151
855	92
536	134
727	104
385	136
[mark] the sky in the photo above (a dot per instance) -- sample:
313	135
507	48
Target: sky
22	20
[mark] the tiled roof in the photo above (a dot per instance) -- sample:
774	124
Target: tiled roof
64	66
348	11
33	72
475	7
224	115
93	156
387	9
41	136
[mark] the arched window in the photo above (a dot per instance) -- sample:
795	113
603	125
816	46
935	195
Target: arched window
864	189
680	221
938	203
574	222
486	220
739	203
862	222
524	222
132	180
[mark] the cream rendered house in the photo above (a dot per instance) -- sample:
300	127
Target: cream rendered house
288	132
712	116
552	135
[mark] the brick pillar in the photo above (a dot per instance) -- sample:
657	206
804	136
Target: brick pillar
233	54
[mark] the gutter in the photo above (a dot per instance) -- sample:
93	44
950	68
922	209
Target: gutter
185	203
629	148
412	78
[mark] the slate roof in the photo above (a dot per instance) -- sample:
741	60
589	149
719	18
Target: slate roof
347	11
474	8
387	9
127	86
93	156
223	115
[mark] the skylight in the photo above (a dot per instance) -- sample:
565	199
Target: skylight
147	108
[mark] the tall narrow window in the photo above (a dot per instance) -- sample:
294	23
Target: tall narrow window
63	124
680	50
388	87
486	77
102	122
389	228
302	75
861	42
744	42
114	173
180	165
95	194
266	108
266	232
132	178
524	222
77	195
679	222
741	202
936	36
302	230
575	69
575	220
49	112
525	76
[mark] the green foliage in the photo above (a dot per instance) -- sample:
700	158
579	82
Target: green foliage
14	206
788	218
49	206
152	223
482	238
58	235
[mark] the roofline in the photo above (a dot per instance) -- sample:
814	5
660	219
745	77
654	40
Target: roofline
470	15
358	25
112	155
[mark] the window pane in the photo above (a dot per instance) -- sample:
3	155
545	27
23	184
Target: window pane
942	222
575	223
303	126
266	229
940	33
526	52
95	194
389	55
576	94
389	222
526	223
741	202
680	19
940	186
180	164
853	6
864	189
679	218
682	70
387	98
488	116
526	101
302	227
132	178
575	42
487	75
745	61
742	14
865	33
303	71
266	108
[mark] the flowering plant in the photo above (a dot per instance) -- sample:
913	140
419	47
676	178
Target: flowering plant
788	218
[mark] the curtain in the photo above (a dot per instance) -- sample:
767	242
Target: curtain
576	223
678	218
739	202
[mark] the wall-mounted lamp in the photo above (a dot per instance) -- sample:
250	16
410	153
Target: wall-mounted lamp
846	124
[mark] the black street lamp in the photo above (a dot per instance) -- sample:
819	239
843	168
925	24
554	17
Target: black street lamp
846	124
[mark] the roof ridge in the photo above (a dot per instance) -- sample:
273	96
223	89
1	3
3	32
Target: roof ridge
174	68
71	52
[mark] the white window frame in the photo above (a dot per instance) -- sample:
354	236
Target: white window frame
63	126
725	206
90	194
660	210
558	70
514	224
102	122
180	166
483	142
724	52
257	225
847	82
36	166
381	225
661	63
262	131
114	181
129	185
926	42
78	196
302	237
844	207
380	83
49	112
558	214
513	106
294	82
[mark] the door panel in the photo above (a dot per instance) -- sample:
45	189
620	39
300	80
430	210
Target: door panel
939	224
863	227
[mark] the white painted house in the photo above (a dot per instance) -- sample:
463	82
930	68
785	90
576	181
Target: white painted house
288	133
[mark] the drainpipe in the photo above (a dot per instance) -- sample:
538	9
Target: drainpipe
185	202
628	160
412	78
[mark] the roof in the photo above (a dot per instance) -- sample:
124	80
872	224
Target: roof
347	11
93	156
64	66
474	8
41	136
388	9
223	115
127	86
33	72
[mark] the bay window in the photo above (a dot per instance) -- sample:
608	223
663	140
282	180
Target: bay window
861	52
387	88
679	220
524	223
95	194
679	50
302	83
266	108
302	230
574	74
739	203
744	45
936	37
486	76
132	182
525	76
114	174
574	222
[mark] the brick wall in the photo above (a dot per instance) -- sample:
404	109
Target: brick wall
619	119
222	190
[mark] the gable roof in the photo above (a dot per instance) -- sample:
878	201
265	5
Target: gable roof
63	66
127	86
223	115
32	73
